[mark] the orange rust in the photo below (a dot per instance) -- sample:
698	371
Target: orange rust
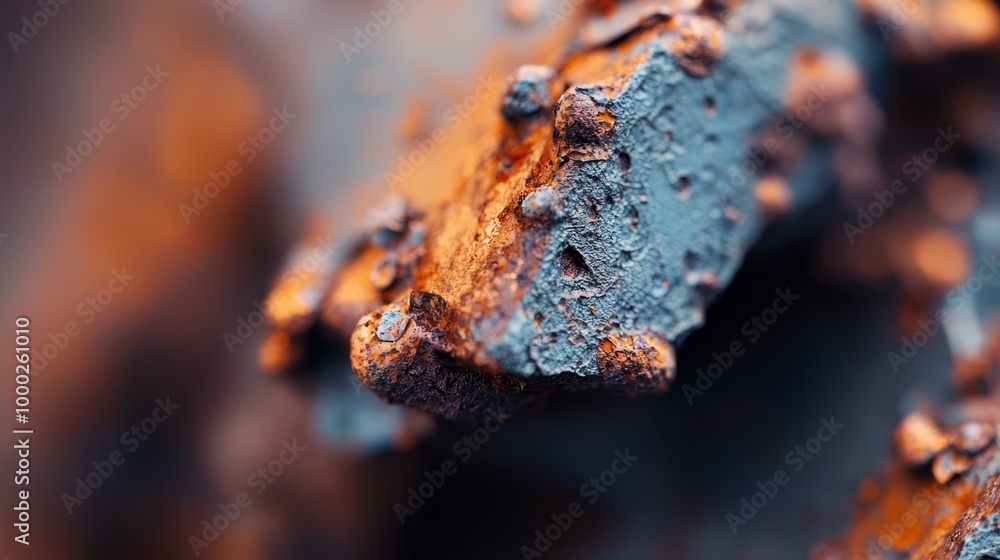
278	352
699	43
919	439
917	512
968	23
628	356
935	27
940	257
478	221
773	195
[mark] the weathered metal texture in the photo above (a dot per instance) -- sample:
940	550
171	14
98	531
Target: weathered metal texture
940	497
591	236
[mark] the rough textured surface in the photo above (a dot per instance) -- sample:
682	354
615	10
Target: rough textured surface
592	234
920	509
940	497
983	542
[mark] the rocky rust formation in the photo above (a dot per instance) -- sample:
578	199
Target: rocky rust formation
940	497
610	197
612	202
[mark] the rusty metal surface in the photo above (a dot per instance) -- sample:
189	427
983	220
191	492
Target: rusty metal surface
598	221
939	497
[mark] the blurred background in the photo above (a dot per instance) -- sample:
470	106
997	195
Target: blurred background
133	273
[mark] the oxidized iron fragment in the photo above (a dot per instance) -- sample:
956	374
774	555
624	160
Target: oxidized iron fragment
593	232
403	358
948	511
528	93
940	498
919	439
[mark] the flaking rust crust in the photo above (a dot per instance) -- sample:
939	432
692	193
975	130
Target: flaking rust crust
589	239
402	358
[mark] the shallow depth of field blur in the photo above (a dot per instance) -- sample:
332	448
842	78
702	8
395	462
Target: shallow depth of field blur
222	72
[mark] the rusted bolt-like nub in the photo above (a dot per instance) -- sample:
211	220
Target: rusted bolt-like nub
392	325
973	437
389	221
949	464
402	353
583	127
528	93
919	439
579	120
384	272
642	363
699	44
